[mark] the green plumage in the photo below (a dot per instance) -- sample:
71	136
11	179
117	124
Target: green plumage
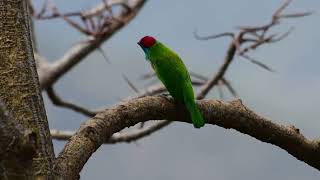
171	70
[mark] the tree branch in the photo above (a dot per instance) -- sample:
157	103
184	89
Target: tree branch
56	100
217	77
234	114
82	50
257	37
118	137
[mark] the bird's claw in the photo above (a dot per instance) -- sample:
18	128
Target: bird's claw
165	94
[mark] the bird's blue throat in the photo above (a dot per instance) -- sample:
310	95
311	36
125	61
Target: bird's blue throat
146	52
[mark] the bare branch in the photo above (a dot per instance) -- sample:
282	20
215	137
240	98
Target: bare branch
284	35
151	90
215	36
258	63
118	137
192	74
234	114
157	89
148	75
56	100
81	50
133	87
281	8
229	87
259	39
198	76
227	61
276	17
104	55
60	134
220	90
296	15
86	13
234	46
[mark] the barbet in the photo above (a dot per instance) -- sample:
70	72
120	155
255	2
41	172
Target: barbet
172	72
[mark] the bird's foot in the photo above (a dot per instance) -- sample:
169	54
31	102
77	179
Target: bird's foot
165	94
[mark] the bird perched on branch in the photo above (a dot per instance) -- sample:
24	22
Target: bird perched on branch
171	70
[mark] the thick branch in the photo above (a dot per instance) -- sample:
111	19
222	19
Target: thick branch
234	114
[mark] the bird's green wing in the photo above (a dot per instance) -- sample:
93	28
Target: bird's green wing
171	70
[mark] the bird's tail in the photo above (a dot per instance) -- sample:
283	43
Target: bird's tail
196	116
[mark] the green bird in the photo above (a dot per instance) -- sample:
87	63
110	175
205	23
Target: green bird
172	72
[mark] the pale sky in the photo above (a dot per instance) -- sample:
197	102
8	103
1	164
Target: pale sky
289	96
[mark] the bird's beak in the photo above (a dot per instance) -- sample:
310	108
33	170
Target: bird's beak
139	44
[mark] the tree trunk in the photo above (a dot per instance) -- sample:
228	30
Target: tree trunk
20	92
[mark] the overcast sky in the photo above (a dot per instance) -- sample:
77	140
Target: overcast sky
289	96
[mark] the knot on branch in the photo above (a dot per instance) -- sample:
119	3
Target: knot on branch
237	102
294	129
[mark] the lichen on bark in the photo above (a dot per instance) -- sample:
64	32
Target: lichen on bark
19	86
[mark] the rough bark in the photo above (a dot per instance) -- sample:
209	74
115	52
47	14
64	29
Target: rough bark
20	90
234	114
17	146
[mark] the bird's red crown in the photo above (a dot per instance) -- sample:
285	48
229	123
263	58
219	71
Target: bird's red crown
147	41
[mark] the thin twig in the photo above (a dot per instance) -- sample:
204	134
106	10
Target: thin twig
132	86
258	63
229	87
120	137
215	36
227	61
56	100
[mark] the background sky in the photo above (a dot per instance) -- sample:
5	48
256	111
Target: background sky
289	96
